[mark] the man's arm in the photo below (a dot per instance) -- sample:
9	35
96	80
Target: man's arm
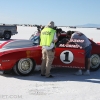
55	38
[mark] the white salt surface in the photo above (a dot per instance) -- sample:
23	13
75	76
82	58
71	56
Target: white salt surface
26	32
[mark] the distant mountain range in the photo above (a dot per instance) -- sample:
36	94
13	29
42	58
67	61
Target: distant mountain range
89	25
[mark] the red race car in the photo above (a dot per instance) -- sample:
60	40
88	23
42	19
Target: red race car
23	56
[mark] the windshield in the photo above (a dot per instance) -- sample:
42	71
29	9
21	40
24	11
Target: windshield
35	38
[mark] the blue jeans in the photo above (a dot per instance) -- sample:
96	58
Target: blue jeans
88	51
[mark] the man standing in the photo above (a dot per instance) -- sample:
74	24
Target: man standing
47	41
86	45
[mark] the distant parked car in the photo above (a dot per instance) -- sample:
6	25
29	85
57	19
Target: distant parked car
6	31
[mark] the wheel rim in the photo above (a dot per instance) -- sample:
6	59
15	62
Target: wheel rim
95	61
7	35
25	66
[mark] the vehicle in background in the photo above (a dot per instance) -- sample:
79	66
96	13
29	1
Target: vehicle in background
6	31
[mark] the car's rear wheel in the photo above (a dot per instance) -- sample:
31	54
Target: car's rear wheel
24	67
7	35
95	62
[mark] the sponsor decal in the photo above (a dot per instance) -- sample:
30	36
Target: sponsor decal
5	60
76	40
28	53
70	46
68	66
73	45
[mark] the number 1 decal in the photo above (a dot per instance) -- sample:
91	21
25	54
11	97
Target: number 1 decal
66	57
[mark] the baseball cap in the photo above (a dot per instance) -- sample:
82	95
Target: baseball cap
51	24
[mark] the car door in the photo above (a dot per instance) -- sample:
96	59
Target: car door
69	57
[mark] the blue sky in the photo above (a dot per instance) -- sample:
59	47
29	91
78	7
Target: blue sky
62	12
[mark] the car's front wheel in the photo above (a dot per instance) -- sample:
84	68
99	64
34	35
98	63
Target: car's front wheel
95	62
24	67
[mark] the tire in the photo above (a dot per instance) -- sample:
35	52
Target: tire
95	62
24	67
7	35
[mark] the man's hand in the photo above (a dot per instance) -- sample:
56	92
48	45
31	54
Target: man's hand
53	49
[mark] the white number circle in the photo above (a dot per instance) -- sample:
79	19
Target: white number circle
66	57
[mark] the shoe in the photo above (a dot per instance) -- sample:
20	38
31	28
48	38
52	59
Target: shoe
86	73
50	76
78	73
42	75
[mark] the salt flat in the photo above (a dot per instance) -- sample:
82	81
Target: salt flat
26	32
